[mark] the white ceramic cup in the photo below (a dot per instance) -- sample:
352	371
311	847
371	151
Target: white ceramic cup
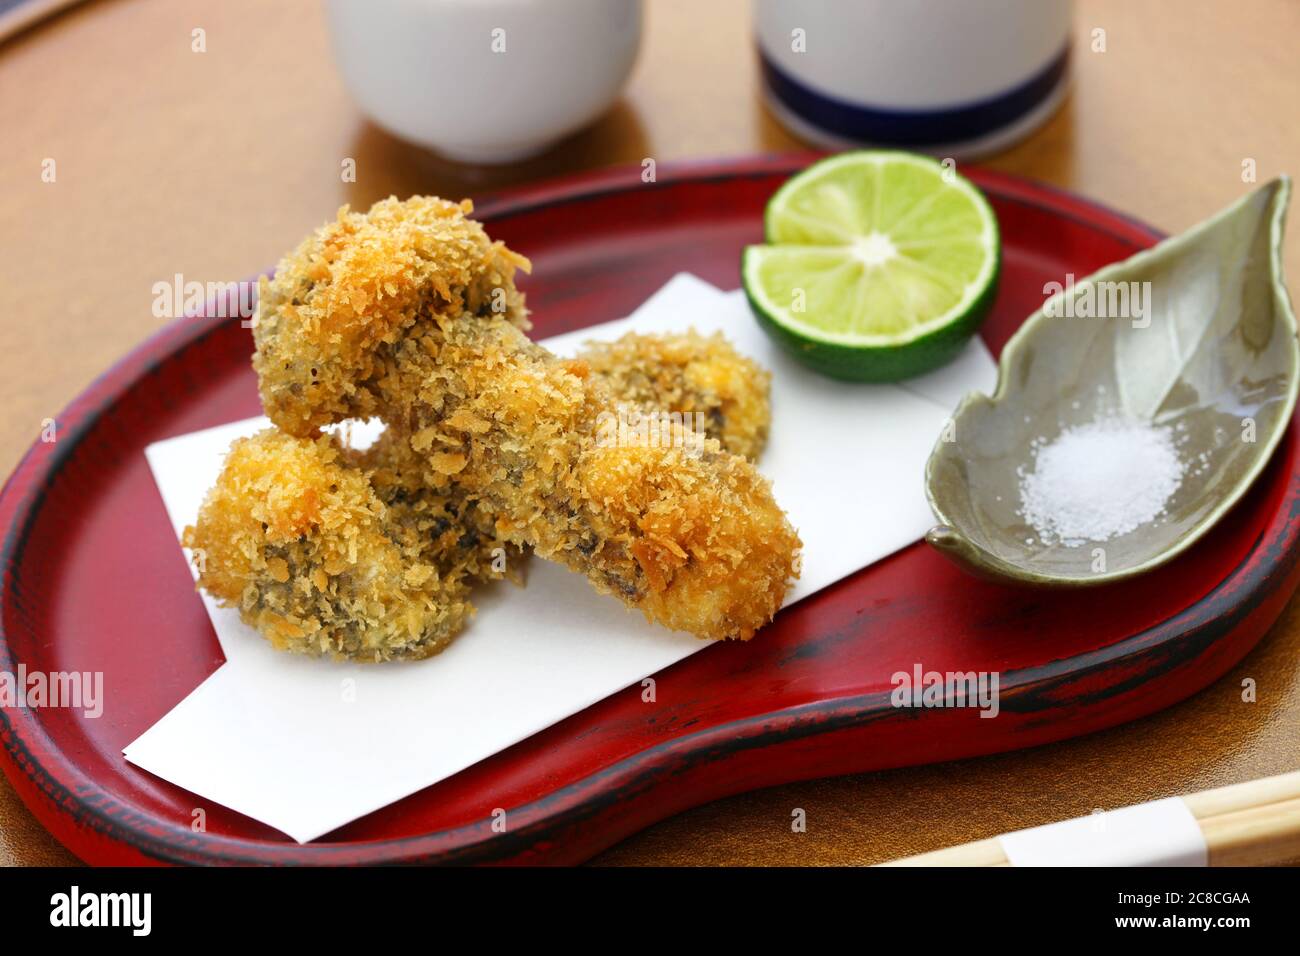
484	81
945	77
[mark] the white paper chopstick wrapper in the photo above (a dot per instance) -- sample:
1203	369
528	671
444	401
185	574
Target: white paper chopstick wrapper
308	745
1160	833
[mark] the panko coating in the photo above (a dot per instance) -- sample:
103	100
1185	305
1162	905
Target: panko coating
696	375
684	531
294	536
456	533
353	286
449	531
688	533
409	313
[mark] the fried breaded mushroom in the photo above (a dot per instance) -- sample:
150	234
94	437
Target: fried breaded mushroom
449	530
453	532
354	285
295	538
685	532
680	529
723	393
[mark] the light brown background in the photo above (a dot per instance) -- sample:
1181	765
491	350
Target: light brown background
213	164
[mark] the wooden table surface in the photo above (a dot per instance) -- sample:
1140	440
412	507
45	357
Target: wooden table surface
213	164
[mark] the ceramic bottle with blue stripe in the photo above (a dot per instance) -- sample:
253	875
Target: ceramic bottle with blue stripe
946	77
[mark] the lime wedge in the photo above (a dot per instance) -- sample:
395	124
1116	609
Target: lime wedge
878	265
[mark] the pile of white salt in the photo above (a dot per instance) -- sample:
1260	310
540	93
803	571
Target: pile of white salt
1099	480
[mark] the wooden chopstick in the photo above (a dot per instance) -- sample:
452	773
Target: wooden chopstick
1247	824
1257	836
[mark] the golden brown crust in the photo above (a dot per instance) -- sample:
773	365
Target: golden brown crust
687	533
454	531
726	393
294	536
447	530
392	314
354	285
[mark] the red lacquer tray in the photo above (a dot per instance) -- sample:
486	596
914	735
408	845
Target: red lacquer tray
94	580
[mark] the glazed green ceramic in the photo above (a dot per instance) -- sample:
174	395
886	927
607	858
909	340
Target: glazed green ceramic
1213	350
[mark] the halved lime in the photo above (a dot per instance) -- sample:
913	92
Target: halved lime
878	265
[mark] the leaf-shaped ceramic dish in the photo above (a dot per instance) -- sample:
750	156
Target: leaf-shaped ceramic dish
1213	358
